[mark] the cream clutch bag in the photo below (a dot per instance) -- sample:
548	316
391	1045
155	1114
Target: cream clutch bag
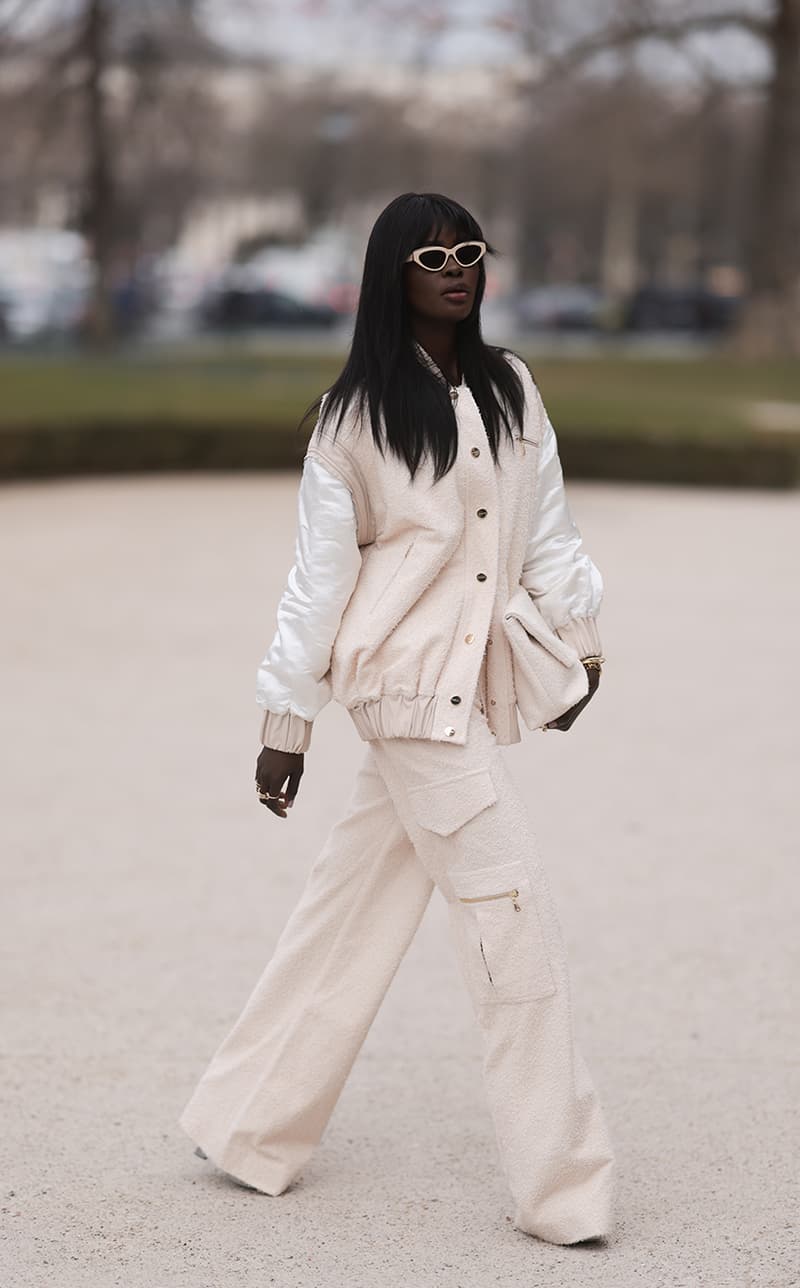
549	676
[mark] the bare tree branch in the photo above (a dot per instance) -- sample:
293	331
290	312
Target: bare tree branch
11	16
712	82
631	31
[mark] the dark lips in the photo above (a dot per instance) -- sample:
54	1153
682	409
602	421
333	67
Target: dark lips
456	290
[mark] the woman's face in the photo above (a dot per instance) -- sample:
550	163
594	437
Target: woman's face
448	293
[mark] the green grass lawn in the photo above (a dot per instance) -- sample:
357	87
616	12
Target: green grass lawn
703	397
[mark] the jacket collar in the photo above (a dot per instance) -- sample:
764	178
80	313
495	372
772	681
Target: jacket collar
428	361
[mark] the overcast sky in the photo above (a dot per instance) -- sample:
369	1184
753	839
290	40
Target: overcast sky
335	33
331	33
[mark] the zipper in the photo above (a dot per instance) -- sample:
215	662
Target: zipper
513	895
486	964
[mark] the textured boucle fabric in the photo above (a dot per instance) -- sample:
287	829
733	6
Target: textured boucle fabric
422	814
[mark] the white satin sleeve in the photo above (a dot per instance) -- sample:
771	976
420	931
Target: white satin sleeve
292	683
566	585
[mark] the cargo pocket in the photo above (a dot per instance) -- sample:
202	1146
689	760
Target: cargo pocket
447	804
507	957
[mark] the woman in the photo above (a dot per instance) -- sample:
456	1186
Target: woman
439	590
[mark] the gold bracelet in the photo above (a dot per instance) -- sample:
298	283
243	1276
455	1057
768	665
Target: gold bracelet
596	660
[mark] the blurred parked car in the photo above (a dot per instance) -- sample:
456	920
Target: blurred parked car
676	308
238	307
45	276
564	306
324	269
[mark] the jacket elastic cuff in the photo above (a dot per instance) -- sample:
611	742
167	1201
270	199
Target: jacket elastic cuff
582	634
285	731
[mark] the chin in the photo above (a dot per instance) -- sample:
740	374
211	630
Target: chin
457	311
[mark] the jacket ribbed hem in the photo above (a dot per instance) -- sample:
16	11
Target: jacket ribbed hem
582	633
398	715
285	731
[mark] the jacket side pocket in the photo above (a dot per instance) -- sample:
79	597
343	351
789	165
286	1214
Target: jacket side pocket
387	584
549	676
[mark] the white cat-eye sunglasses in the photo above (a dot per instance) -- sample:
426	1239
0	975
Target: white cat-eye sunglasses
434	258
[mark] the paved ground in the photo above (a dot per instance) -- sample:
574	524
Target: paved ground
144	888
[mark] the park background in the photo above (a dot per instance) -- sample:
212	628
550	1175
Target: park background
186	189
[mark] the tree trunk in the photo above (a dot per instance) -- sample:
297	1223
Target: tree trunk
98	213
619	266
770	322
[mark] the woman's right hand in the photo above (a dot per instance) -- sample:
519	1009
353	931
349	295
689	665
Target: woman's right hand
272	769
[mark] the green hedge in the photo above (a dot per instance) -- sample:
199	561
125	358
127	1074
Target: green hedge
99	448
760	463
673	420
770	461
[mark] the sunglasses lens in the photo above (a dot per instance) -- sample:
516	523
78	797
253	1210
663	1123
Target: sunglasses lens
433	259
469	254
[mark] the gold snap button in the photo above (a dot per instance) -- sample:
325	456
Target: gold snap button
476	451
449	731
469	638
494	704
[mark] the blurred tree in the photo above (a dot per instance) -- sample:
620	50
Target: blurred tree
340	148
93	48
102	102
770	322
129	114
148	41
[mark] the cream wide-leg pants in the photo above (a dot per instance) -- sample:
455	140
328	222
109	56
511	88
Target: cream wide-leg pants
421	814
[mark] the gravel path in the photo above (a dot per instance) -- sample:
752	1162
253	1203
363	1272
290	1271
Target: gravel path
144	888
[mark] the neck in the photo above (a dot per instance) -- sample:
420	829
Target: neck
439	340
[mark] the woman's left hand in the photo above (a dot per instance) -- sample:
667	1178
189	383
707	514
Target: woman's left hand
564	722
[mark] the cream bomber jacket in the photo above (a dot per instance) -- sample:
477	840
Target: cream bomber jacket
397	590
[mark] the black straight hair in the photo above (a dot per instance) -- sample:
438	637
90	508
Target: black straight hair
384	371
